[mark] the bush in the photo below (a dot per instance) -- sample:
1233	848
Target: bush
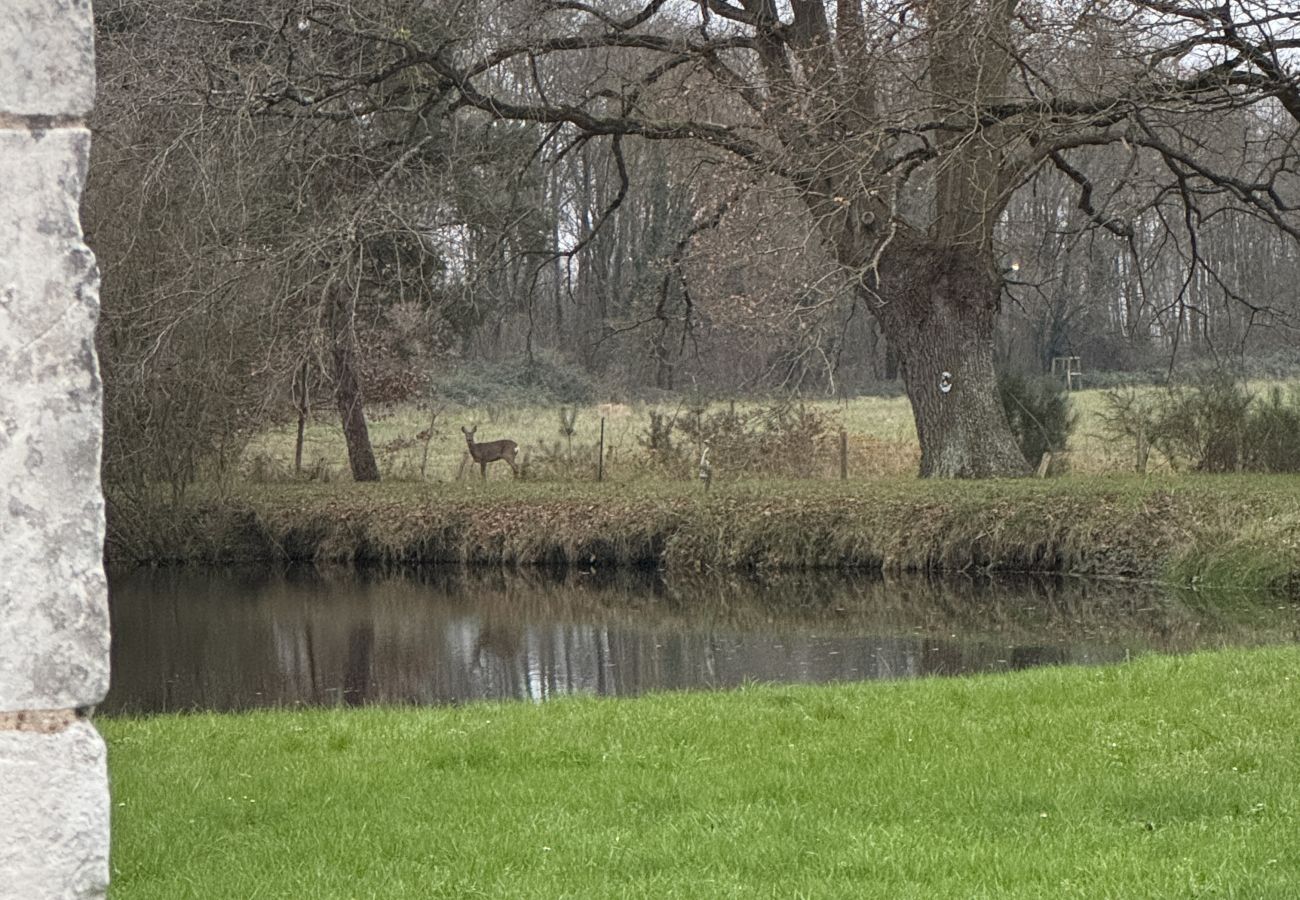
1038	411
1211	425
658	436
1118	379
780	440
1272	441
1128	413
545	380
1205	423
1274	365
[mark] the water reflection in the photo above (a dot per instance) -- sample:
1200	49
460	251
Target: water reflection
231	639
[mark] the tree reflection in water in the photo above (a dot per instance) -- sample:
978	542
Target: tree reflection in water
242	638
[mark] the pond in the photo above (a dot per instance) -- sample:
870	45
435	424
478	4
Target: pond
191	639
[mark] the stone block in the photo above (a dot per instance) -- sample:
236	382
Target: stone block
55	798
53	595
47	57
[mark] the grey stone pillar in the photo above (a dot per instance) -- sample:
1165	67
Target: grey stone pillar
53	599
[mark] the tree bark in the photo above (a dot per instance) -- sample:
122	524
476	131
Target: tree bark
351	398
937	308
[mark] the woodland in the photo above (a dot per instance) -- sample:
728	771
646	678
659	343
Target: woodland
351	201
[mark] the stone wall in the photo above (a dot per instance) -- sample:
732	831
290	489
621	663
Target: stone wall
54	805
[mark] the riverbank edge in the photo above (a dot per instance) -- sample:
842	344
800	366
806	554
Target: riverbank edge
1240	532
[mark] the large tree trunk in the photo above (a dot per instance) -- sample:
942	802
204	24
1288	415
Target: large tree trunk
937	308
361	456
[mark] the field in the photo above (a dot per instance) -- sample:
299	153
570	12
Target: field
881	441
1166	777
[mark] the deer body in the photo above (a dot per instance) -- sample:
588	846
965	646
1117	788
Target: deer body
490	451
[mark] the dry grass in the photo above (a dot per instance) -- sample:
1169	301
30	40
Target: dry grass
1230	531
881	442
1238	531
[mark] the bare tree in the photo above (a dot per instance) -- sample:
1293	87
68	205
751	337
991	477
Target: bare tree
240	243
896	157
903	129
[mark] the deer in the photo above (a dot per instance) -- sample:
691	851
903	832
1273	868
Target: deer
490	451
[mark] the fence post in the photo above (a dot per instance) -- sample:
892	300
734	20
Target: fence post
844	455
304	404
600	466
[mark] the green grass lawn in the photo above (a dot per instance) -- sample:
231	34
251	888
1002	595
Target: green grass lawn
1167	777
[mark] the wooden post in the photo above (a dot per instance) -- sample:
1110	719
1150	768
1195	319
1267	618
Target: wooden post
844	455
428	436
600	466
303	402
1045	464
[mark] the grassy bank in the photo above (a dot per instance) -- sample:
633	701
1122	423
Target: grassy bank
1168	777
1226	531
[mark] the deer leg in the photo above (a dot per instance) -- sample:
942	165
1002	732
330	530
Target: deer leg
482	470
513	468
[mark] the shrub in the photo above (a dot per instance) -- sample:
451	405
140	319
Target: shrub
1205	423
1272	442
1130	414
1038	411
554	461
780	440
658	436
1119	380
1211	425
1278	364
543	381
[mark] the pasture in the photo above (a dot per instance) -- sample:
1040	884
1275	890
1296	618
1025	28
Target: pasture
413	444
